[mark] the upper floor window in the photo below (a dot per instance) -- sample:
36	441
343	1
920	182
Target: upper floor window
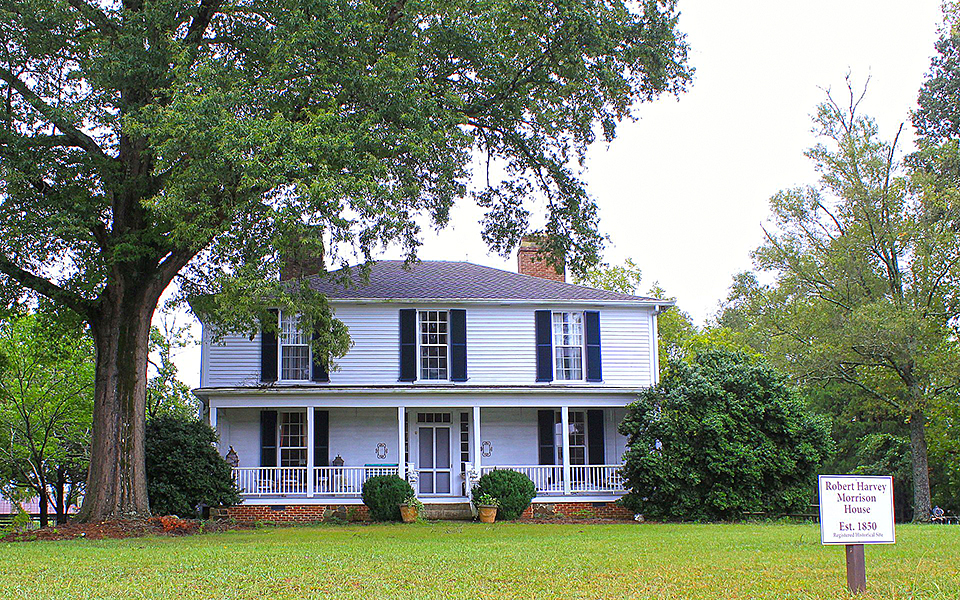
434	344
294	349
568	345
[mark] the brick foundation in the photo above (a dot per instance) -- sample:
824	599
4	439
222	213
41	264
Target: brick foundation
319	513
293	513
577	510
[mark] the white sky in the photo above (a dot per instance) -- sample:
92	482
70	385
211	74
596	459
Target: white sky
683	190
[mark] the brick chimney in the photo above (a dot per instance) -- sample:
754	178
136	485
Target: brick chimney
531	260
304	259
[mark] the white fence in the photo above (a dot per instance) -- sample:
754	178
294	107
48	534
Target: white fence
292	481
584	479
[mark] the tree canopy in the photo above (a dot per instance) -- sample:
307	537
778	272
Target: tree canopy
213	140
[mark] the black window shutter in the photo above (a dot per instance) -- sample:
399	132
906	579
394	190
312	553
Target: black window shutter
268	438
268	351
595	437
408	344
546	420
318	372
458	345
591	319
321	438
544	346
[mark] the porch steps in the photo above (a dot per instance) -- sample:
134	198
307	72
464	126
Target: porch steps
459	511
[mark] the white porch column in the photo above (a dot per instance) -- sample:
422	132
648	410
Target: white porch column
476	438
565	436
311	433
213	423
401	454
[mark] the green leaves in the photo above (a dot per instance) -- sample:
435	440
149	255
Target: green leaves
720	437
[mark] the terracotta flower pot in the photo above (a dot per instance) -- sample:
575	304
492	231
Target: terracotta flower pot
408	512
487	514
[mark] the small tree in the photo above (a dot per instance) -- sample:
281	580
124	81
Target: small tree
184	469
720	437
46	410
166	393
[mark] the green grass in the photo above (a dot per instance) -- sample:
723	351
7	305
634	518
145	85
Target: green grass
476	561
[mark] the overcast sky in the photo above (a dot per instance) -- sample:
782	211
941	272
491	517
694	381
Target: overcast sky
684	189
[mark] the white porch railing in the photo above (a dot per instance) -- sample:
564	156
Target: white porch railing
292	481
584	479
348	481
602	479
271	481
547	478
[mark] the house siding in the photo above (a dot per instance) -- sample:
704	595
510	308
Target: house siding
500	347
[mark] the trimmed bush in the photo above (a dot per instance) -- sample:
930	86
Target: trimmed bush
383	495
184	469
514	490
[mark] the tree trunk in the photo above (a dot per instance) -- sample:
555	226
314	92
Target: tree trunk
117	483
58	496
42	501
921	474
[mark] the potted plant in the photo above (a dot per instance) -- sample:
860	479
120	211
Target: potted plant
410	509
487	507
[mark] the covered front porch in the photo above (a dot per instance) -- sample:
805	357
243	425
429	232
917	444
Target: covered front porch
325	453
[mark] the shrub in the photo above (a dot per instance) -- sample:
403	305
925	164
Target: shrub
383	495
513	490
720	437
184	469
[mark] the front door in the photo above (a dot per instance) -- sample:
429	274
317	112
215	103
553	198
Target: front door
434	465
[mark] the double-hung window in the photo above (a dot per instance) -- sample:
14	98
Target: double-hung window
434	344
568	345
294	349
578	437
293	439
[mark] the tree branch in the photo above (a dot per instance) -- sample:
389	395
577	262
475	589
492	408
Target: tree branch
199	23
103	23
78	304
52	114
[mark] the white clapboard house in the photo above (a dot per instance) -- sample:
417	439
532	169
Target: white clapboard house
456	370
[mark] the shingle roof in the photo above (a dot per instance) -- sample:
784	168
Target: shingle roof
392	279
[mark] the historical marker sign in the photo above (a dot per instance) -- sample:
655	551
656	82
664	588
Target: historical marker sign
856	509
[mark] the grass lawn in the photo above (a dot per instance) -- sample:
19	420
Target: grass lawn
447	560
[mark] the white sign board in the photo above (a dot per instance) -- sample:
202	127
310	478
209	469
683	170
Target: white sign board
856	509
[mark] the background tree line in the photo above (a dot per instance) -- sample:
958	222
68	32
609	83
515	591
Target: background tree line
855	295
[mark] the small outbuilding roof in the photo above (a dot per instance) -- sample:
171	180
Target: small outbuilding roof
447	280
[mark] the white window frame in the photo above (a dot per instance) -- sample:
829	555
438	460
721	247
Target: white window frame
283	416
421	345
305	342
557	346
575	417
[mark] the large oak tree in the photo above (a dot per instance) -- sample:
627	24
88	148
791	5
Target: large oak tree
147	140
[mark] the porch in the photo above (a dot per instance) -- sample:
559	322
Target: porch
315	455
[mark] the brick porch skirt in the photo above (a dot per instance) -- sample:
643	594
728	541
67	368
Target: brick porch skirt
319	513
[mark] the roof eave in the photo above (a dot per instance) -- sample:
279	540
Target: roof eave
654	303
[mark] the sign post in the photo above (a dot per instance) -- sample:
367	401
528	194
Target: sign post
856	510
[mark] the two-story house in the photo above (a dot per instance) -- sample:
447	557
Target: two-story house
456	370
